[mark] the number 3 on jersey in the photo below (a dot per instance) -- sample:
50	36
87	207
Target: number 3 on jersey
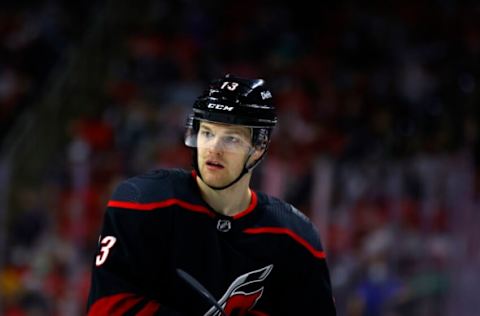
106	243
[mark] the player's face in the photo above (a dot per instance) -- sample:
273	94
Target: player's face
222	152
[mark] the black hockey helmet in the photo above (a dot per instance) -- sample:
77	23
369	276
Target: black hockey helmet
236	101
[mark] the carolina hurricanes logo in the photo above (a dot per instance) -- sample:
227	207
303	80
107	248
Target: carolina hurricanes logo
242	295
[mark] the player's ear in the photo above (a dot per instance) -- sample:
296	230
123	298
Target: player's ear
257	154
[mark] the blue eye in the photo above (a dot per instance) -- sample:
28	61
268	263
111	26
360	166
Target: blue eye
231	140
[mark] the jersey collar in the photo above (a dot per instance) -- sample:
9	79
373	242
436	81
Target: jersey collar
242	214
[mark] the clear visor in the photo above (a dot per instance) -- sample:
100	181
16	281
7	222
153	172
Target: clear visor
219	137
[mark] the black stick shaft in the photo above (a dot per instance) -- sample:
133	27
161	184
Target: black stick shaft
200	289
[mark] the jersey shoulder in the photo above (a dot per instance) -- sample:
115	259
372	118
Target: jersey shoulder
278	213
154	186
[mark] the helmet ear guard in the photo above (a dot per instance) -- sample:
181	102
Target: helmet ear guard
261	138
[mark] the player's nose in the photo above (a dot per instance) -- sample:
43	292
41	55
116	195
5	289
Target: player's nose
216	144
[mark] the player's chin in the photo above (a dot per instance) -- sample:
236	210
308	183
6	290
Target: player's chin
214	178
215	183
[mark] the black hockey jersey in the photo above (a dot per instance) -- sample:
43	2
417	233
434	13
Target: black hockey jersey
266	260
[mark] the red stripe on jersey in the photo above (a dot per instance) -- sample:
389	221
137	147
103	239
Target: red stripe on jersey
114	305
250	208
280	230
150	309
154	205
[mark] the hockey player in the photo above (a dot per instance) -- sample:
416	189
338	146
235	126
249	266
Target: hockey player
253	254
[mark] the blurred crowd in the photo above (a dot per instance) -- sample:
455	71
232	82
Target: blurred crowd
34	41
378	140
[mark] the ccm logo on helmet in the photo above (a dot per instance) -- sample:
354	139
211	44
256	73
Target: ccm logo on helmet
220	107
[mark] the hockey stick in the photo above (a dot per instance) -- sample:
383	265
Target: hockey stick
200	289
